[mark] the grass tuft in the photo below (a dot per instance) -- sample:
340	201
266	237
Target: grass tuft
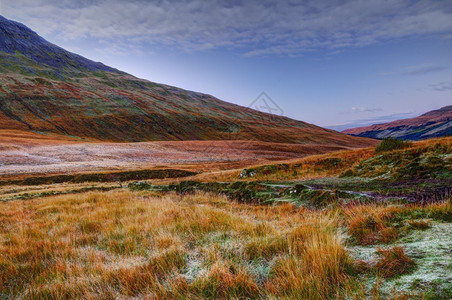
393	261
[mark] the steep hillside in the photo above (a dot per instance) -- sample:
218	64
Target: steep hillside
436	123
44	88
23	50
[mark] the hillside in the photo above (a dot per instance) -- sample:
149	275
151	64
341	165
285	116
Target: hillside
436	123
45	89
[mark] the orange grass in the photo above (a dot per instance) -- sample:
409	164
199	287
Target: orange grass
121	244
371	224
393	261
329	164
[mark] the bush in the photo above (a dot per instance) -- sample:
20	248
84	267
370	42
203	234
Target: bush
391	143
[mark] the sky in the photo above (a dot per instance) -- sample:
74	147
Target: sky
326	62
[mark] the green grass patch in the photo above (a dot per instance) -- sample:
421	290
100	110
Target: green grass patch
103	177
389	144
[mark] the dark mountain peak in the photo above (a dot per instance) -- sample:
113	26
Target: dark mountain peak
17	39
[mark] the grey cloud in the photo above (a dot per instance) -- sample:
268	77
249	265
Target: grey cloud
423	69
442	86
365	109
256	27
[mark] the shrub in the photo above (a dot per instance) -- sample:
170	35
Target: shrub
329	163
389	144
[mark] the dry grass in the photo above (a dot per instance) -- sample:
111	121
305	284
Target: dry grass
371	224
331	164
121	244
201	246
393	262
312	166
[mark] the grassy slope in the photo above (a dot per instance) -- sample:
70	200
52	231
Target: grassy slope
48	89
119	107
416	161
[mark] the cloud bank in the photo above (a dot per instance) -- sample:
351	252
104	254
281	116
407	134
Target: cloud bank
260	27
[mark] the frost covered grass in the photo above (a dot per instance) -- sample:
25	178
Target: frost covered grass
372	224
123	244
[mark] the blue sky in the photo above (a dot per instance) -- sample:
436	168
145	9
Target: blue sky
324	62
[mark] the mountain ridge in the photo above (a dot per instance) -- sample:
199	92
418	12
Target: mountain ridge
44	88
435	123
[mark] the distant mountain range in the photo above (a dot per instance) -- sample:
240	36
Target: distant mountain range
436	123
46	89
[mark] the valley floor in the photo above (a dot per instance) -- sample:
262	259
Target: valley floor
22	154
351	224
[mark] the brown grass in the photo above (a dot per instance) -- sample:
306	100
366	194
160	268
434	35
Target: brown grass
121	244
326	165
371	224
199	246
393	262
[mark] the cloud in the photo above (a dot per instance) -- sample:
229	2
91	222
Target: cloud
256	28
365	109
441	87
119	48
423	69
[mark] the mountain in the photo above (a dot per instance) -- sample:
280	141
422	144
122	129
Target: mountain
46	89
436	123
